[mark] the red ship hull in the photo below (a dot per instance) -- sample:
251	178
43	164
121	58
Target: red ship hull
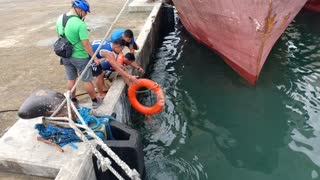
241	32
313	5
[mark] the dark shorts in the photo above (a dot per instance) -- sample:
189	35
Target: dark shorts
96	69
135	46
75	66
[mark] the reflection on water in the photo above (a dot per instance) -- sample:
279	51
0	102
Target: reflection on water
216	126
304	98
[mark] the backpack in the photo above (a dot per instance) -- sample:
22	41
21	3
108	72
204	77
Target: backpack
62	47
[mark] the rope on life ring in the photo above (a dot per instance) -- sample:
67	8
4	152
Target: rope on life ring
151	85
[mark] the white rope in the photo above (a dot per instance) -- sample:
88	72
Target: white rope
104	161
94	55
132	173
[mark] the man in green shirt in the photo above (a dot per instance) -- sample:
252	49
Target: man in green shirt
77	34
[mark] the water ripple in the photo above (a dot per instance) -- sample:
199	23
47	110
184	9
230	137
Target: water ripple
167	132
166	168
216	127
303	89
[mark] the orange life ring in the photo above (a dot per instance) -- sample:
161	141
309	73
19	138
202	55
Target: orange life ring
151	85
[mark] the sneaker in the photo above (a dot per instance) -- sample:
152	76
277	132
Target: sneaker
96	104
75	102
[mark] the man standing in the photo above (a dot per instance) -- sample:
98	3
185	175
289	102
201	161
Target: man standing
127	37
76	32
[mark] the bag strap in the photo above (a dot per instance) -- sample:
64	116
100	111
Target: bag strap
65	19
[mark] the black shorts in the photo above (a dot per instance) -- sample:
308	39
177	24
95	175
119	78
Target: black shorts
96	69
135	46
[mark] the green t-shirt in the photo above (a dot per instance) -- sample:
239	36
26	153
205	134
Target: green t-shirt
75	31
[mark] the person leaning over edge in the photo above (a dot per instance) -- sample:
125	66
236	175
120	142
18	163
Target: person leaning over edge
127	36
108	51
130	60
127	60
77	34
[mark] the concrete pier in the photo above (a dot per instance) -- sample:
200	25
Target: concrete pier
28	52
143	5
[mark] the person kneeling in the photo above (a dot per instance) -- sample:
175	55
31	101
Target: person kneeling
124	61
108	51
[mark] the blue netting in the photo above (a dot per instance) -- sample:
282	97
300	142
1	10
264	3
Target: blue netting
63	136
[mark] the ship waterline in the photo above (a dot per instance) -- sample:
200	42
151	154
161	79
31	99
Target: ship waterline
241	32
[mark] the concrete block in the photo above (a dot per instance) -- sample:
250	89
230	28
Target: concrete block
20	152
143	5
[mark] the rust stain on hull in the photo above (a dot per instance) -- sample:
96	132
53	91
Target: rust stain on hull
269	24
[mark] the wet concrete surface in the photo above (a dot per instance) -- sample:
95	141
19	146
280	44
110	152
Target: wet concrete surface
10	176
27	59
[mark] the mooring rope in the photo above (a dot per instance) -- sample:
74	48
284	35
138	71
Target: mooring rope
132	173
